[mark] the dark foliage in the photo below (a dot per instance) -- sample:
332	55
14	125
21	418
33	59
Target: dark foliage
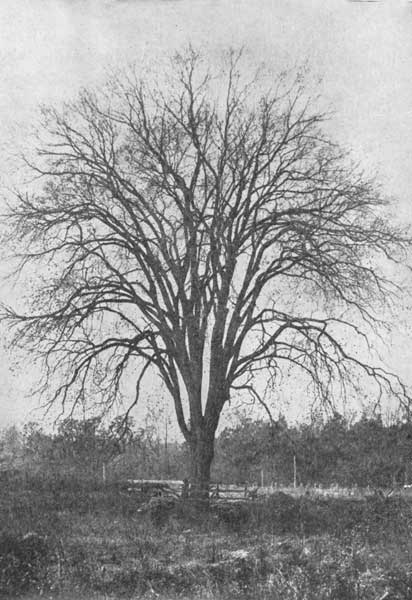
333	452
24	562
362	453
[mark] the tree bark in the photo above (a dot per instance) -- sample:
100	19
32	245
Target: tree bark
201	457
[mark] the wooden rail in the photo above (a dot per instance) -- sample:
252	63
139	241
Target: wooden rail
165	487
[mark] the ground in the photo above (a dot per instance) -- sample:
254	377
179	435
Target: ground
76	542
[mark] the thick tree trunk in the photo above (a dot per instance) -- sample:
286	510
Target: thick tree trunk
201	457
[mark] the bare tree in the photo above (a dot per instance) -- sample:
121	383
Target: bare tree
189	229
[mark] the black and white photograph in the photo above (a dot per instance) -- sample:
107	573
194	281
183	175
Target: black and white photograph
206	299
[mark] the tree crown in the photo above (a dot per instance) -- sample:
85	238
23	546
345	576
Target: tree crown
190	230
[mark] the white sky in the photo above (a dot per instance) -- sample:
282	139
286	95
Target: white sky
362	51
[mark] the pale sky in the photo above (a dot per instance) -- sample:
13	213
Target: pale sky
361	50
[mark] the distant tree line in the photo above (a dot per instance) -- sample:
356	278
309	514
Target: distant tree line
366	452
90	451
361	453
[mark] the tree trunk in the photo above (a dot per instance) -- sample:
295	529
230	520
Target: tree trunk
201	457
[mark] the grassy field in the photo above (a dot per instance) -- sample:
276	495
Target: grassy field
69	542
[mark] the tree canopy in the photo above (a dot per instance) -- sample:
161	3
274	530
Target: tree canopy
205	228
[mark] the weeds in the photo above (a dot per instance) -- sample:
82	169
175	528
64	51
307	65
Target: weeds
97	541
24	563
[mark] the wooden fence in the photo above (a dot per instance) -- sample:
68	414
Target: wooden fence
176	488
149	488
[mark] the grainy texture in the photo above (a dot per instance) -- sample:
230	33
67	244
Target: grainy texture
93	543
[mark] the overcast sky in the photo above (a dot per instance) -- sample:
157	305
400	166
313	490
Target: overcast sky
362	51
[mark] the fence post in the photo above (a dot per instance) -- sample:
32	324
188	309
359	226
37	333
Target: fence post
294	472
